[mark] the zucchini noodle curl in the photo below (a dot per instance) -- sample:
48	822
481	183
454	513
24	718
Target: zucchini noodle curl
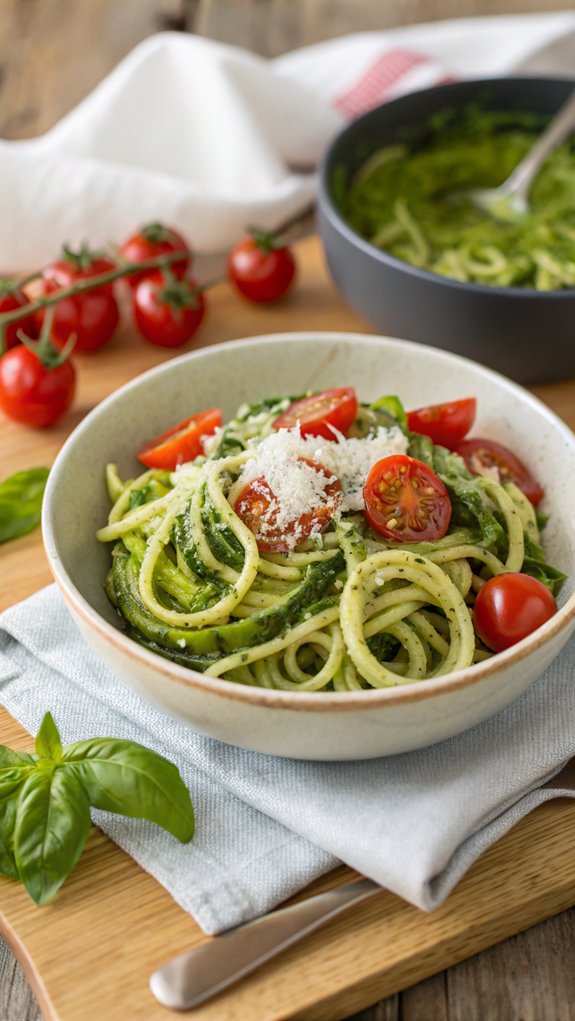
344	611
383	596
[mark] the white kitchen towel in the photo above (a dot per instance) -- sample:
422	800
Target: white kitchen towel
212	138
266	826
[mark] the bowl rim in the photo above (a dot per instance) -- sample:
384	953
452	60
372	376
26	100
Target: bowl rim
327	206
278	699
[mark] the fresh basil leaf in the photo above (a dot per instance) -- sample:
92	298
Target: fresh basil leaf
153	490
470	505
21	502
15	767
48	743
7	821
536	565
421	448
9	758
137	498
390	412
268	404
50	832
11	778
123	776
383	646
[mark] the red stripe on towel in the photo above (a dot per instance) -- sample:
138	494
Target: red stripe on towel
377	80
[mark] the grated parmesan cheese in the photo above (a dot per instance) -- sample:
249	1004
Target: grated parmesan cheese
298	487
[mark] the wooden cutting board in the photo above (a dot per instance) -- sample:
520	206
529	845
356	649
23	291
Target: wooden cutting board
90	953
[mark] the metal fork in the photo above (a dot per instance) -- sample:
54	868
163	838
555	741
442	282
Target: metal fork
509	200
196	975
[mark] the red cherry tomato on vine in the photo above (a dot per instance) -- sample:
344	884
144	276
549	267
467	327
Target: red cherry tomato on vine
480	454
151	240
445	424
509	607
316	413
405	501
30	392
92	316
181	443
167	311
11	298
256	505
261	268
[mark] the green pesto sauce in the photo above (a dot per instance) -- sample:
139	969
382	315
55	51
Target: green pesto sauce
408	200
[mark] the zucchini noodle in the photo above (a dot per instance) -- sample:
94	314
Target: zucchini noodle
344	610
411	201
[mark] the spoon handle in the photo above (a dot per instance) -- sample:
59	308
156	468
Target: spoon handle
559	128
198	974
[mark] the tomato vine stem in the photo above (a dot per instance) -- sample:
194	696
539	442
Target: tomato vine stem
92	283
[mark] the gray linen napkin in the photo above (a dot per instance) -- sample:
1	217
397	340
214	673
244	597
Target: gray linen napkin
266	827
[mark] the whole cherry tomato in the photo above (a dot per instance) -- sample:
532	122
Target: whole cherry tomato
181	443
32	392
445	424
93	316
485	455
151	240
405	501
509	607
261	268
318	412
11	298
167	311
257	506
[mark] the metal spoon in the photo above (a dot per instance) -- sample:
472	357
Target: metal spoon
509	200
196	975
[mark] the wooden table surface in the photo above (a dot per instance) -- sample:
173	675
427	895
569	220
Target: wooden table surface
45	67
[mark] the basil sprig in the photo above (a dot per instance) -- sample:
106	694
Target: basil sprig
21	502
45	802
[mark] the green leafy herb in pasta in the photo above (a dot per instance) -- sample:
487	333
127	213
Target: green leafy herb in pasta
285	559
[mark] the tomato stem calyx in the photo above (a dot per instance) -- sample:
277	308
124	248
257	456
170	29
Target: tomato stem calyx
83	257
266	240
7	285
45	350
156	232
179	293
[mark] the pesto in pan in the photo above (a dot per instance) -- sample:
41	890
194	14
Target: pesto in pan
409	200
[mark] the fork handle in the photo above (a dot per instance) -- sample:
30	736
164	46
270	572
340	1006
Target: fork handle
198	974
559	128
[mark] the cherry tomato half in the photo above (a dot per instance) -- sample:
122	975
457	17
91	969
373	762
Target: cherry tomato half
31	393
480	454
181	443
261	269
151	240
167	314
93	316
257	506
509	607
445	424
11	298
316	413
405	501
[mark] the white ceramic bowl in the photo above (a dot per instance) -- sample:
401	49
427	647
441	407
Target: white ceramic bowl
307	725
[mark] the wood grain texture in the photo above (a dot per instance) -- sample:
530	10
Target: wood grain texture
272	27
53	53
112	917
